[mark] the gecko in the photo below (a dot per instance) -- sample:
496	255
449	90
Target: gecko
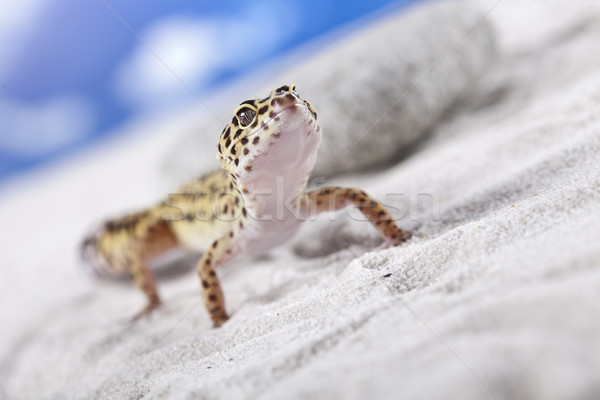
256	201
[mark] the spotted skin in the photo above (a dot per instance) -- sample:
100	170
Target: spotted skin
218	254
255	202
334	198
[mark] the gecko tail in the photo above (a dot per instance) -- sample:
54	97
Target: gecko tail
93	259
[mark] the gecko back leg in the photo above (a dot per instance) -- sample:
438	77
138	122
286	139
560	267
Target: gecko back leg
158	239
128	245
334	198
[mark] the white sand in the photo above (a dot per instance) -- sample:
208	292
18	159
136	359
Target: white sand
498	295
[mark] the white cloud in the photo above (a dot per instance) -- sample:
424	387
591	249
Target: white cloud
18	19
195	49
31	130
188	48
28	130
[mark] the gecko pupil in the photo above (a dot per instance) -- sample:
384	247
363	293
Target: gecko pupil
246	116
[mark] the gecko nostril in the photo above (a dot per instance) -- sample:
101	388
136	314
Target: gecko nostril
275	102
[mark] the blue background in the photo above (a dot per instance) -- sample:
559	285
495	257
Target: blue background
69	66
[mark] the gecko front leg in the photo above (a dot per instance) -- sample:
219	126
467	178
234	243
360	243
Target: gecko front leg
221	251
334	198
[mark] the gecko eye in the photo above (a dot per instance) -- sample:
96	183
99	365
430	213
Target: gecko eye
282	89
245	115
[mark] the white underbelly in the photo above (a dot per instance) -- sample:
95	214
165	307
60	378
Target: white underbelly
265	235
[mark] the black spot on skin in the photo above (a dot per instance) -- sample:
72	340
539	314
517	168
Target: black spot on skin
246	151
241	225
251	102
263	110
231	185
387	275
244	212
189	217
214	309
219	147
256	139
233	151
205	284
227	132
312	111
238	133
228	142
264	125
248	167
225	208
231	234
272	114
212	297
244	140
234	121
265	99
212	273
131	225
254	124
284	88
207	262
237	162
237	201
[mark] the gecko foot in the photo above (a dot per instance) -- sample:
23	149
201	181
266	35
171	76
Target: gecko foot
219	317
146	311
387	243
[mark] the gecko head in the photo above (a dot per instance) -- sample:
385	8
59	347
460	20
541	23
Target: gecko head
276	133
